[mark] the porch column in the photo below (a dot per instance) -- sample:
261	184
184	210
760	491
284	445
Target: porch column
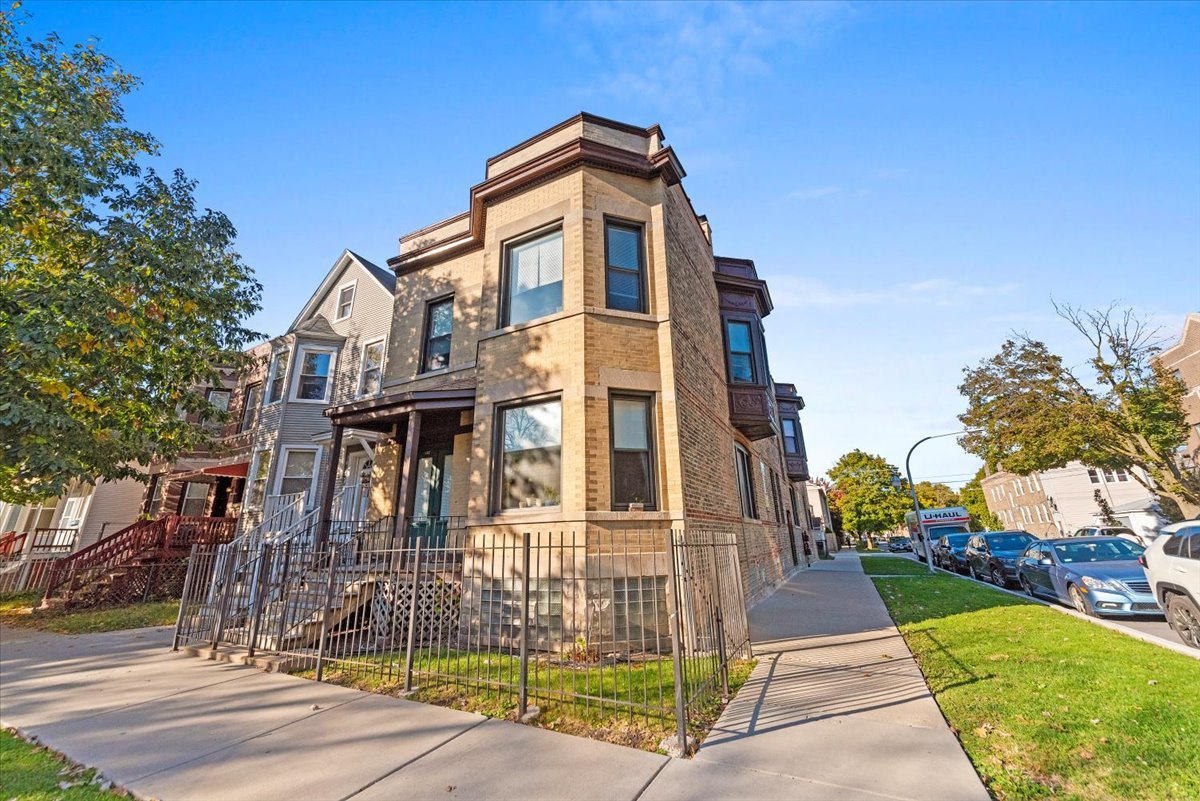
407	493
331	473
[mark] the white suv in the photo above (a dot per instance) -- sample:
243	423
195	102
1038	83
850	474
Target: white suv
1172	564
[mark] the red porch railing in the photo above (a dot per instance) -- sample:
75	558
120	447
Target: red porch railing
12	543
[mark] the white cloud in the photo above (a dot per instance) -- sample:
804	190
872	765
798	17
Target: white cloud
799	292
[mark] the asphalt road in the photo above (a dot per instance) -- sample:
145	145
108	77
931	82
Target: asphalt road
1155	626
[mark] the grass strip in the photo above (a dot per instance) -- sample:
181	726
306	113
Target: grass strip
21	610
30	772
892	566
1048	706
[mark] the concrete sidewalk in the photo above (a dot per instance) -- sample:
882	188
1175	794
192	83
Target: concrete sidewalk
835	710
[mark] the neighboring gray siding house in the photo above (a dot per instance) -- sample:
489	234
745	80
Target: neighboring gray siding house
332	353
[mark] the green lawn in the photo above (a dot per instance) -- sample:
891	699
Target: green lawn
1048	706
20	610
893	566
649	684
32	773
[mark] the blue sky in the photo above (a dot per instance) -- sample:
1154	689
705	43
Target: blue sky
914	181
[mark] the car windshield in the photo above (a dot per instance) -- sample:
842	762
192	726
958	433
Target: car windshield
1104	551
955	540
900	539
1009	542
954	529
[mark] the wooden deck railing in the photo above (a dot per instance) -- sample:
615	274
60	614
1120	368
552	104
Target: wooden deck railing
12	543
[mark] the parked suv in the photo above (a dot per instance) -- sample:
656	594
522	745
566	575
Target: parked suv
993	555
950	552
1172	564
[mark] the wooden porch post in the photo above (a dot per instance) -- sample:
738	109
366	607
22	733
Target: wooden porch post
408	480
331	472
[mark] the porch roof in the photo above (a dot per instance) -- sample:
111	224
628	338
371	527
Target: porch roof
379	414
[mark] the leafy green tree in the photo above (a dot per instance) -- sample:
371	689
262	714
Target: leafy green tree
934	495
1033	412
869	502
118	296
972	497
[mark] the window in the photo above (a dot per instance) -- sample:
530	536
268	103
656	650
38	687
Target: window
745	480
370	378
531	450
258	479
1093	475
299	471
345	303
1119	476
741	354
632	455
72	513
219	398
439	322
623	267
250	406
194	500
791	437
312	383
533	278
277	376
775	496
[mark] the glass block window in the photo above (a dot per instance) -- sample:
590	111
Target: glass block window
500	609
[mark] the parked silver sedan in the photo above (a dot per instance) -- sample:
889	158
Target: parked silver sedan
1096	575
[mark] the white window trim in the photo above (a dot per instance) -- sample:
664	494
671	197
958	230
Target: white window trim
294	384
337	300
255	460
271	376
362	364
281	468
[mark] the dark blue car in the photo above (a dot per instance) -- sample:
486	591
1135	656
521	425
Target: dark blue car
992	555
1096	575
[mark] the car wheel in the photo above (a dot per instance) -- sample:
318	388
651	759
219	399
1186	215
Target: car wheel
1025	585
997	577
1079	602
1184	618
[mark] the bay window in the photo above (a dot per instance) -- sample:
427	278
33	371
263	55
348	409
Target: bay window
624	283
739	343
530	464
533	278
315	369
277	376
632	453
791	437
370	379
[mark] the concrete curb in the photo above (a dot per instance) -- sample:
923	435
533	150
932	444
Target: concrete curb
1178	648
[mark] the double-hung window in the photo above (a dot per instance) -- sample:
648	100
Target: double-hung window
741	352
439	324
194	500
219	398
314	374
299	471
250	405
624	271
745	480
259	471
345	302
530	473
632	451
277	376
533	278
791	437
370	378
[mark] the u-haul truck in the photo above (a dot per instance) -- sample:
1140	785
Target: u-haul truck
935	523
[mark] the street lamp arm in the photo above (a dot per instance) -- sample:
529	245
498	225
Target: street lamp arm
912	488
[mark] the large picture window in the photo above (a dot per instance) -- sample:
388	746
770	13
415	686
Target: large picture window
745	480
439	324
533	278
278	376
315	371
632	452
370	379
299	471
623	267
741	352
530	463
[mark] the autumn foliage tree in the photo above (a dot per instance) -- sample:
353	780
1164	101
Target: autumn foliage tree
1030	411
118	295
868	501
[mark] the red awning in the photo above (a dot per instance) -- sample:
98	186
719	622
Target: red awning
232	470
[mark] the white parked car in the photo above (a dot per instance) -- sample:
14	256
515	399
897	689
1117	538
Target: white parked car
1172	563
1111	531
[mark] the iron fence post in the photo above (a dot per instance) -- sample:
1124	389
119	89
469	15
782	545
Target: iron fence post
284	583
741	592
187	588
332	550
260	583
523	689
226	591
720	621
677	646
411	640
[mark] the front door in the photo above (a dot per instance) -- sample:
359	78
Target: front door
431	506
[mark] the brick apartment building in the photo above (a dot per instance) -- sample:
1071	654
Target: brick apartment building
568	354
1183	359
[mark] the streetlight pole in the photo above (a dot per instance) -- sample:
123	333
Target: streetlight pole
912	488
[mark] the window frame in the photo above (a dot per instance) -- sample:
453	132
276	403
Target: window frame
360	390
755	369
183	497
249	417
647	398
783	422
423	367
352	285
496	480
252	478
283	355
297	374
639	228
743	472
281	471
226	391
505	311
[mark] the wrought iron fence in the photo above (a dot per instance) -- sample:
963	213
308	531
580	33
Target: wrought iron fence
637	625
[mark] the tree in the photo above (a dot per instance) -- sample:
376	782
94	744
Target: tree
118	297
936	495
1104	509
834	497
869	503
1034	413
972	497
